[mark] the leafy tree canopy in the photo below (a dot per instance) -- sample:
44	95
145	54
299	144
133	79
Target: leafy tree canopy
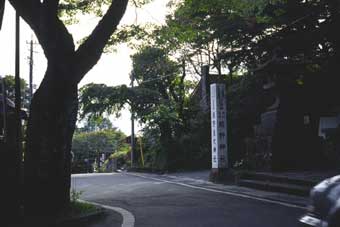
157	79
88	146
10	89
96	124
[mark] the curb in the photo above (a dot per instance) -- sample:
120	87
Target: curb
81	218
146	170
128	217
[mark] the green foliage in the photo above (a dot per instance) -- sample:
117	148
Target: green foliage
157	79
80	208
122	156
158	100
218	33
96	124
151	63
155	72
75	195
222	31
10	89
134	35
241	37
154	155
96	99
194	143
88	146
76	208
122	152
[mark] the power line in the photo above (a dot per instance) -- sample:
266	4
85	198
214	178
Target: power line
133	119
147	81
154	18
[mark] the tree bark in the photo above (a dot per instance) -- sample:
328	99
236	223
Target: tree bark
51	125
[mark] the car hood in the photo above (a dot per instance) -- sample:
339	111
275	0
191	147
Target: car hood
325	195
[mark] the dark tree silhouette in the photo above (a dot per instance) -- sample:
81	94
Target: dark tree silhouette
53	110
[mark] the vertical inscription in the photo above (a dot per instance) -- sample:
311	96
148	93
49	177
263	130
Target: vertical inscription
219	146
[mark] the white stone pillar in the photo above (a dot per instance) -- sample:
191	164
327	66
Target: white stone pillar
219	147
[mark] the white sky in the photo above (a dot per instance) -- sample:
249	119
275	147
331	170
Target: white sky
112	69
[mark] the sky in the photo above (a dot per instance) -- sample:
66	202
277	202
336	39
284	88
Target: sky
112	69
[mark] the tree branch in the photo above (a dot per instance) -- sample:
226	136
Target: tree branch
50	31
51	7
29	10
74	6
2	9
57	42
90	51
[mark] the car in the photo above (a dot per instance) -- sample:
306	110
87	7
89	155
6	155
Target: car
324	207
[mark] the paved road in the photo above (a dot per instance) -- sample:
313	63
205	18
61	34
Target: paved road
159	202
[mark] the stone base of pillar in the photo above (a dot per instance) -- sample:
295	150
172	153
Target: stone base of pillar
222	175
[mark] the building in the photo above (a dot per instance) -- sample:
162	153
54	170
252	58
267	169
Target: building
201	94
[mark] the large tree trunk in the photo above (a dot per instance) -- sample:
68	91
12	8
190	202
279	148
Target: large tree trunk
51	125
53	111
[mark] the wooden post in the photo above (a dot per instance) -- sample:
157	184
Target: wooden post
18	138
31	70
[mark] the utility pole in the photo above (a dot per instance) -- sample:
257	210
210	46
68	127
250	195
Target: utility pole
132	126
31	69
31	63
17	85
18	138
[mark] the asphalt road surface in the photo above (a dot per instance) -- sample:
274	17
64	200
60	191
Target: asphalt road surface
156	202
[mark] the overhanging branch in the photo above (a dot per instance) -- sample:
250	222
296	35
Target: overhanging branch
50	31
29	10
90	51
74	6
